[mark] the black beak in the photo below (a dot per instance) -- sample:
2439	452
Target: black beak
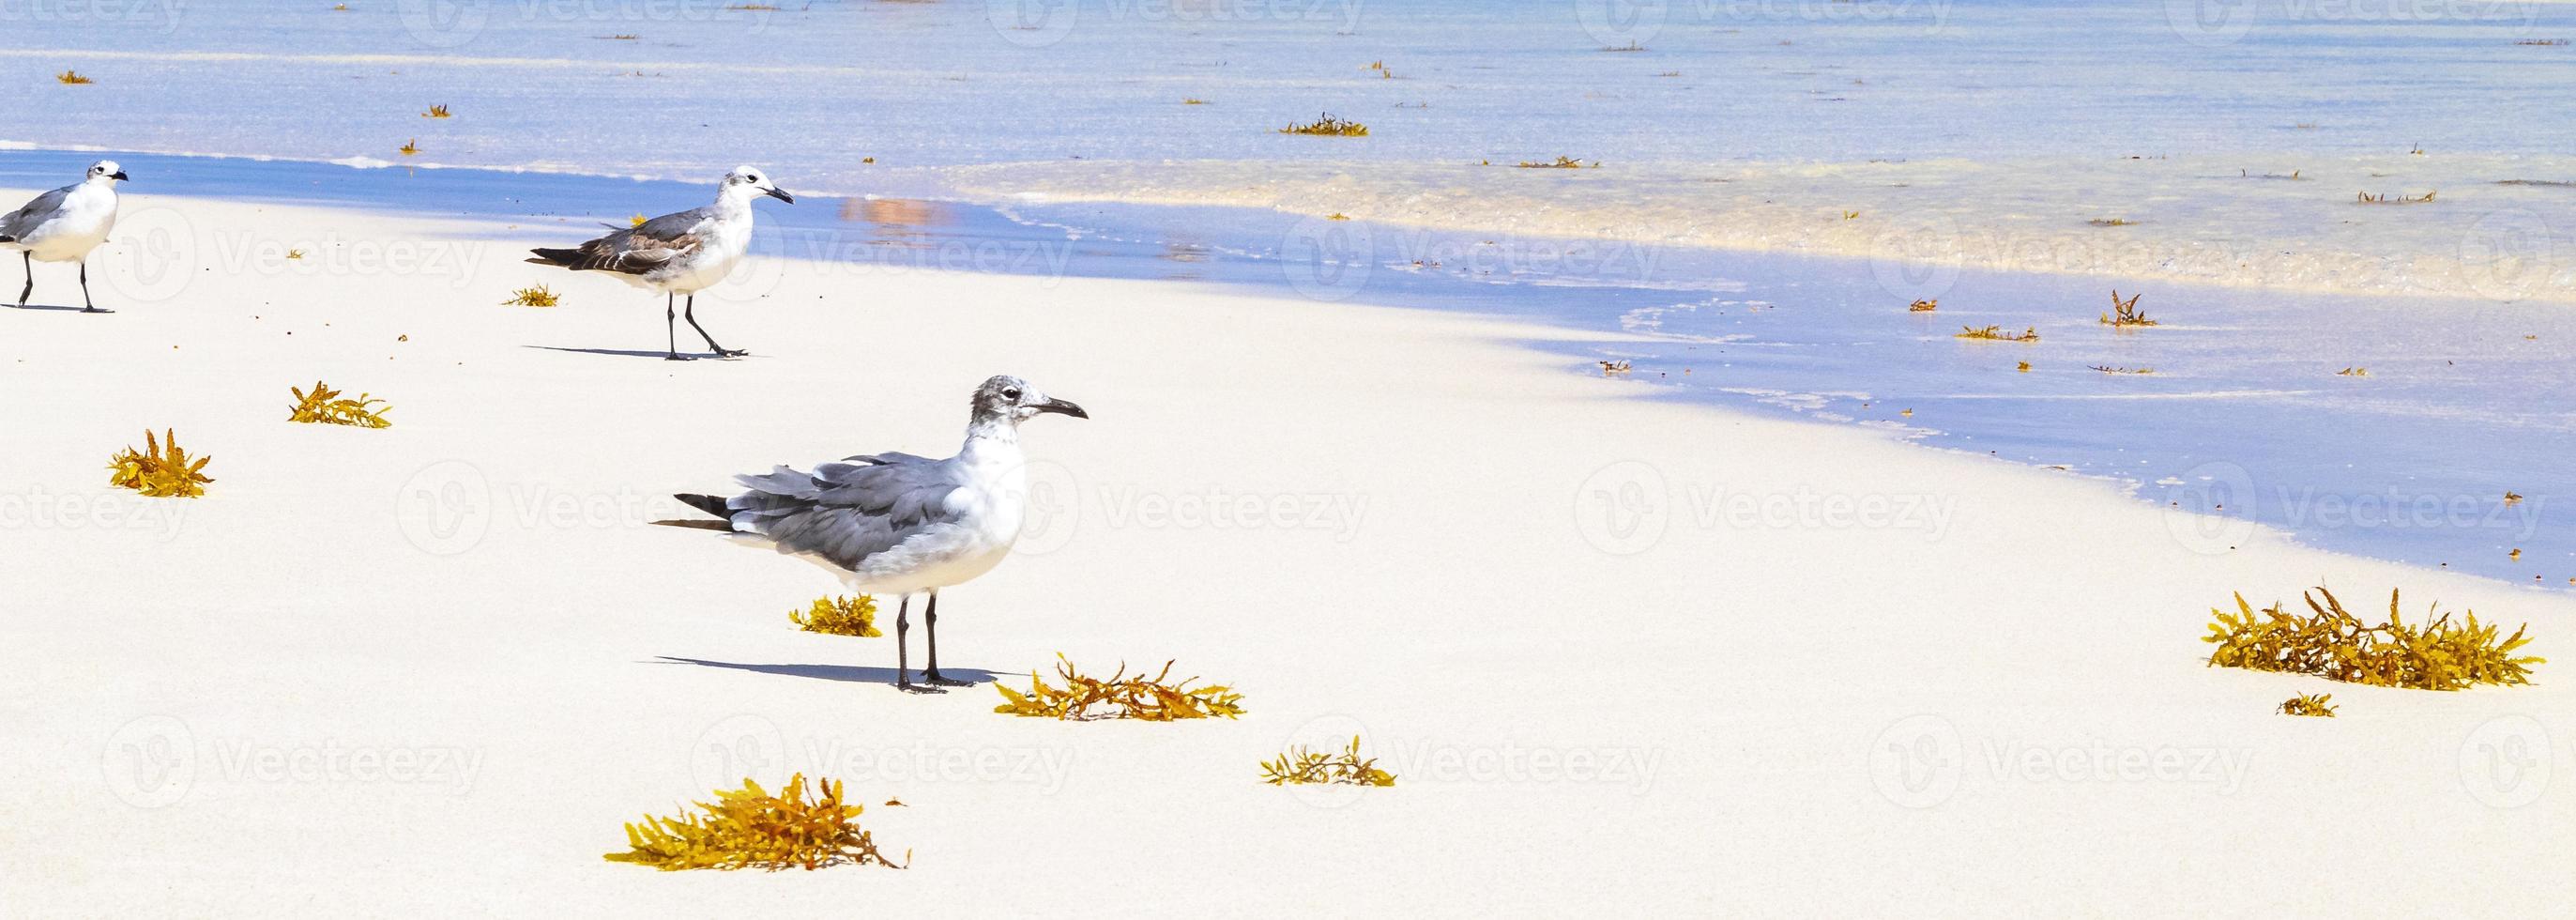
119	176
781	194
1061	407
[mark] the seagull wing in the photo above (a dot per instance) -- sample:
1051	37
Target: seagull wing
655	243
24	220
844	513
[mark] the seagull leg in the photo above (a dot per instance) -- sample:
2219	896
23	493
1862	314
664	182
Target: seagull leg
86	305
902	662
931	675
29	260
670	329
691	314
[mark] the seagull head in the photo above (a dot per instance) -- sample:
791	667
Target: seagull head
1011	399
105	171
747	181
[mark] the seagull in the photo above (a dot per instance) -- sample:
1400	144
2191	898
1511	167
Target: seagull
896	523
63	225
679	254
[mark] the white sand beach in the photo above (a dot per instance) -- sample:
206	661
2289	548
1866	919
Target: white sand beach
1624	655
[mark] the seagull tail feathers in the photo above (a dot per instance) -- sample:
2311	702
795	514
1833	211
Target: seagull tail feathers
563	257
707	503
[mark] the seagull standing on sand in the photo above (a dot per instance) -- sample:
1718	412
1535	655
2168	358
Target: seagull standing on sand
63	225
679	254
896	523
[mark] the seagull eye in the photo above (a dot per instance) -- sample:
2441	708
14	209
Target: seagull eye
1012	393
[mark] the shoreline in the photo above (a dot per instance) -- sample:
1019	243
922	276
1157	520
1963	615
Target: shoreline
1787	335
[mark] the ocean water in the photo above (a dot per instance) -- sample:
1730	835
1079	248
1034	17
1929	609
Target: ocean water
2246	418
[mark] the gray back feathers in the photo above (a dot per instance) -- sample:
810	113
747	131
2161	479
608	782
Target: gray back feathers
845	512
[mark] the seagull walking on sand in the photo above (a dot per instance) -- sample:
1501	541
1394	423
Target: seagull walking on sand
679	254
897	523
63	225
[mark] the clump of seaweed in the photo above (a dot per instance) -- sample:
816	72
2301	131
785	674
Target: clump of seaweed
2540	42
1328	125
2124	313
410	147
537	296
72	78
2354	371
2368	198
325	406
2308	704
1194	101
437	111
2293	176
749	828
1997	334
160	470
1923	306
2110	369
1634	46
1562	162
2112	222
839	616
1299	767
2332	643
1084	698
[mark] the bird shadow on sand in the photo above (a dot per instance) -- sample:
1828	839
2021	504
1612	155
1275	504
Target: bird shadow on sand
61	309
637	353
846	673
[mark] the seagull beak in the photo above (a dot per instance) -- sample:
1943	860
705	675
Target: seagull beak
119	176
1062	408
781	194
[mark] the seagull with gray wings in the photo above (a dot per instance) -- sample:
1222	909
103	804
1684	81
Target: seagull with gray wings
63	225
679	254
897	523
